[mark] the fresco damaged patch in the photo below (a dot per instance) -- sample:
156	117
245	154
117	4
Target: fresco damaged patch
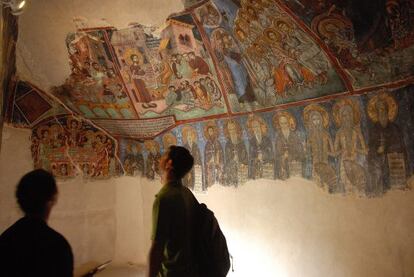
68	148
372	40
168	75
32	105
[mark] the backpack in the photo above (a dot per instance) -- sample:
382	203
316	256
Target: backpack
211	252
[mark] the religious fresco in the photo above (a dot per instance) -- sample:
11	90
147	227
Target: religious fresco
264	57
68	147
357	145
372	40
94	89
169	74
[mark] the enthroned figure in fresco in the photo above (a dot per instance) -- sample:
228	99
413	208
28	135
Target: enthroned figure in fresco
319	146
213	154
236	164
387	157
289	153
134	161
260	151
73	130
194	179
152	167
350	147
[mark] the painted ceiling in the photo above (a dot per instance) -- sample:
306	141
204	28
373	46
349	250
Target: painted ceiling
320	89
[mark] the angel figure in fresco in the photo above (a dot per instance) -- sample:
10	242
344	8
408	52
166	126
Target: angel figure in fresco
194	179
213	154
289	152
152	165
134	161
319	146
236	163
387	156
260	151
350	146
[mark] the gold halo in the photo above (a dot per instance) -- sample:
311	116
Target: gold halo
152	144
41	129
336	110
189	129
321	25
253	118
391	105
288	115
210	124
272	30
226	128
279	20
315	108
132	51
169	136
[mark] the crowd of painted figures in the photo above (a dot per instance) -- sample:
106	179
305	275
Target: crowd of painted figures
67	146
326	144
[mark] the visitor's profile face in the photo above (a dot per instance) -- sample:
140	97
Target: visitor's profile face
283	122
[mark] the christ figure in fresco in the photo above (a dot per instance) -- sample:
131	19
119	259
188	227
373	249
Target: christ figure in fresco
289	153
260	150
213	154
236	164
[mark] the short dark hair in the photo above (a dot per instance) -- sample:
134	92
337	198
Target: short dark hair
182	160
34	190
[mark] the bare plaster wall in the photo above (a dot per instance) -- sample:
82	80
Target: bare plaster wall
274	228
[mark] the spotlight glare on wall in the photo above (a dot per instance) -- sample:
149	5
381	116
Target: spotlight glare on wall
16	6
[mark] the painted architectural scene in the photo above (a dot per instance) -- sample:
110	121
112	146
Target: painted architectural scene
372	40
169	74
69	147
353	145
94	89
263	55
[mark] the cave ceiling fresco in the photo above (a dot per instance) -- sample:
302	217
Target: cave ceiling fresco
261	89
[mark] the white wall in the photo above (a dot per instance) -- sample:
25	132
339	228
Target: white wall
273	228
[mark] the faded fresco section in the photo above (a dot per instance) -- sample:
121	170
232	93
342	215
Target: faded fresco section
358	145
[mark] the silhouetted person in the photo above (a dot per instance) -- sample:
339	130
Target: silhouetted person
171	254
30	247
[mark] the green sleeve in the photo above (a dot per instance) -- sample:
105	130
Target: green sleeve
160	221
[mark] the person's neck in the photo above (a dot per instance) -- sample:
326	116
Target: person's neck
168	178
42	217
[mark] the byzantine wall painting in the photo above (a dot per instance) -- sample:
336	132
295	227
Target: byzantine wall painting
358	145
372	40
264	57
69	147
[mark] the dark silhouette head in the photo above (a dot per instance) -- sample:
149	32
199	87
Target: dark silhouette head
35	192
181	160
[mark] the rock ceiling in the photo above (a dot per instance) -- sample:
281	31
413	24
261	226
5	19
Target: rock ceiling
213	59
